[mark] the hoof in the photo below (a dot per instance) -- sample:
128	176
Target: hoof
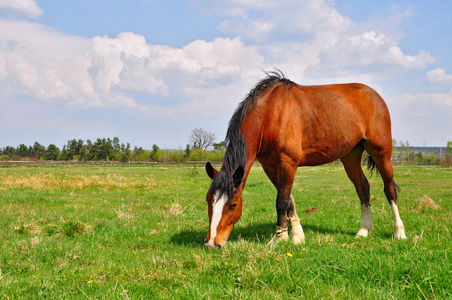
363	232
297	235
400	234
281	235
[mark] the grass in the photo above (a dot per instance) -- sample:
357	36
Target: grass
136	232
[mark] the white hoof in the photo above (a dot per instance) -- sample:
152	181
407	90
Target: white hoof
363	232
297	235
400	233
281	235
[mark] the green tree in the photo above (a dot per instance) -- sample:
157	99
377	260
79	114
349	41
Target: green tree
103	149
52	152
116	146
219	146
10	151
156	153
74	149
22	150
449	146
64	154
139	154
187	152
38	151
120	152
92	150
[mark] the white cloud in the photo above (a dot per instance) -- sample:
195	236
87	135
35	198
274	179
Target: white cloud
422	118
127	62
27	8
298	36
103	72
425	104
370	49
233	53
265	20
41	63
438	75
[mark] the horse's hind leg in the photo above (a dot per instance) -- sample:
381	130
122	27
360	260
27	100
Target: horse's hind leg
384	165
352	165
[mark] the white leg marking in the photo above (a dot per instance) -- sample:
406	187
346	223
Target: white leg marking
297	235
282	234
366	221
296	231
398	224
217	212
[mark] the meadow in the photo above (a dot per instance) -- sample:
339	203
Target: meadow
137	232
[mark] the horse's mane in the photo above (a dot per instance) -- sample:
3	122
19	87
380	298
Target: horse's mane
235	155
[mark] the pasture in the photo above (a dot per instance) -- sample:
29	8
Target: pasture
137	232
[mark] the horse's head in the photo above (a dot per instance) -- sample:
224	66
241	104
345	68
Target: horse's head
224	200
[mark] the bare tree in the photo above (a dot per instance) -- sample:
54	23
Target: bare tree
201	139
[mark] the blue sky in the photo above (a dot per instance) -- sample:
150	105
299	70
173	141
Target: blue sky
150	71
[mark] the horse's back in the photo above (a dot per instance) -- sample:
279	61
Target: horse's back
319	124
353	96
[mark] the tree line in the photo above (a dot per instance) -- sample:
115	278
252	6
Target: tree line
403	152
106	149
202	148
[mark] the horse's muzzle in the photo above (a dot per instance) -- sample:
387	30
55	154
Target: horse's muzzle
212	245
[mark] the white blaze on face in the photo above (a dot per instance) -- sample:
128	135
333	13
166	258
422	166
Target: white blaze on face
217	212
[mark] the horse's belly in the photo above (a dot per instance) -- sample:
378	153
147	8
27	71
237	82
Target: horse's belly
317	158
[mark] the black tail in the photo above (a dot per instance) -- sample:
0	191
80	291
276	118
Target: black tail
371	165
397	188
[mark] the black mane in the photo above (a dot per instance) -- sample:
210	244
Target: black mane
236	151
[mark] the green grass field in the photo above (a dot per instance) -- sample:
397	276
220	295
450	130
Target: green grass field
137	232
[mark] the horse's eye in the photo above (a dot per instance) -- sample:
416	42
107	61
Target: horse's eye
233	206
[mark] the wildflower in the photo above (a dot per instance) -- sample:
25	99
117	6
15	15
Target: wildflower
289	254
89	282
277	259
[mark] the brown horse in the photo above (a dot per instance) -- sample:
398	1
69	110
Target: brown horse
285	125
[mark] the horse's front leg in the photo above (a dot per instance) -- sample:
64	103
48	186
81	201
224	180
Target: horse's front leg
282	230
285	216
296	229
283	178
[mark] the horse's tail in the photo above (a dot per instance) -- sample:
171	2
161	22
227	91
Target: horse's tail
372	166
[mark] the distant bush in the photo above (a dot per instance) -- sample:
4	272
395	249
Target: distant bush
4	157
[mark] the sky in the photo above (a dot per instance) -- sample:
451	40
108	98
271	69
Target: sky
150	71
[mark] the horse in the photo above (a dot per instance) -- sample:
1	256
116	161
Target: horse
284	125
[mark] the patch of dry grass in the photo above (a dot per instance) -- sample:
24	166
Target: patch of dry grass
48	181
124	213
176	209
27	228
426	202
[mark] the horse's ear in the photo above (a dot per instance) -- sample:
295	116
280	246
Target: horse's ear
210	170
238	176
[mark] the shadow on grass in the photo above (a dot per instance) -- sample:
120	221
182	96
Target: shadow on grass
259	231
